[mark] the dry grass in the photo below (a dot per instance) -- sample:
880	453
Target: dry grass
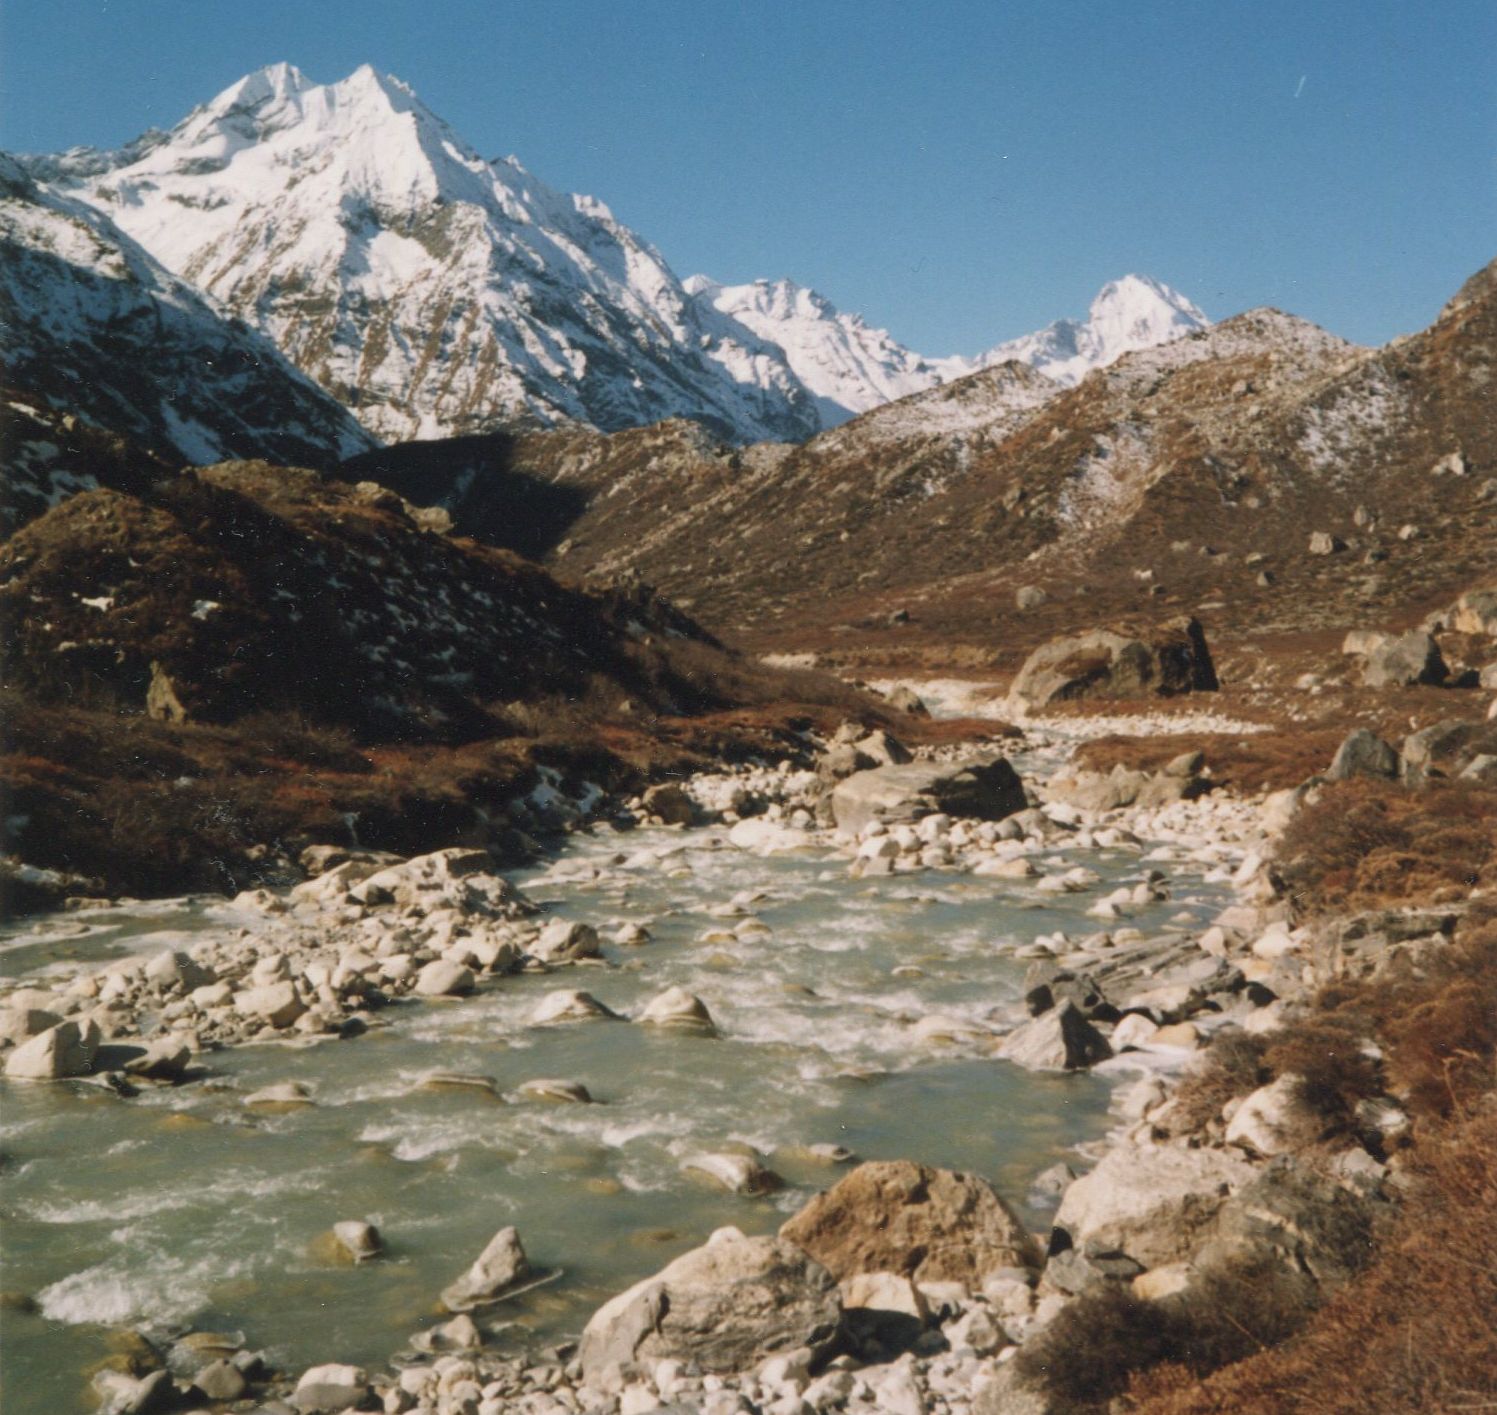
1368	844
1098	1344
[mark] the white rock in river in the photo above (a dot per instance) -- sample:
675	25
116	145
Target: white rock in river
737	1173
676	1007
64	1050
568	1005
360	1240
444	978
564	940
501	1267
565	1092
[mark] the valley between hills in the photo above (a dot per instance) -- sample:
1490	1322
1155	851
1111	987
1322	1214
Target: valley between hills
579	840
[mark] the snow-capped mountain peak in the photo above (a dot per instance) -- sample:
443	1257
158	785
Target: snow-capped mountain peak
432	291
849	366
1136	312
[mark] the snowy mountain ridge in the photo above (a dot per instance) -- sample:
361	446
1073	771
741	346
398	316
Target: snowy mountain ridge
97	326
434	292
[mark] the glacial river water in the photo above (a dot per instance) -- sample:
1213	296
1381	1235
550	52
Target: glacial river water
184	1206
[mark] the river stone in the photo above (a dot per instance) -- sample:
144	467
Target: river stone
499	1268
727	1306
924	1223
1172	658
1152	1204
985	788
164	1059
564	941
220	1380
276	1003
1409	659
64	1050
670	803
444	978
1363	753
1271	1119
1058	1040
737	1173
330	1388
360	1240
283	1093
676	1007
565	1092
568	1006
170	969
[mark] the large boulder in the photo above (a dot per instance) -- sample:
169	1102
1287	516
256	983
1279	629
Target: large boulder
1155	1205
1166	660
928	1224
499	1269
726	1306
1060	1039
986	788
1402	662
64	1050
1363	753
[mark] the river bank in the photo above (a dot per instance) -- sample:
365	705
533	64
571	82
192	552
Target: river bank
1097	884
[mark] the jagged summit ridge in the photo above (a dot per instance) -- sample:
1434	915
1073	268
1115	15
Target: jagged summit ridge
428	289
852	367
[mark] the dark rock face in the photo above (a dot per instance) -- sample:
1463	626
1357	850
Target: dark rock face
910	1219
1172	658
982	790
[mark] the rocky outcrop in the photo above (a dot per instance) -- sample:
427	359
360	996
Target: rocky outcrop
725	1306
1405	661
1161	662
1363	753
1155	1205
984	789
911	1219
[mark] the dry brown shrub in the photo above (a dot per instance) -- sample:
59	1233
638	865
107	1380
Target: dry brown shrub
1366	844
1092	1350
1335	1073
1231	1066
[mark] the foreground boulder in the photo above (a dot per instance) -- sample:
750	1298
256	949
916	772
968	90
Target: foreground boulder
727	1306
984	789
1166	660
928	1224
1155	1205
64	1050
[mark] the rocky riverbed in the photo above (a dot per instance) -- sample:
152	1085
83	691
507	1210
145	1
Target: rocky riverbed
975	960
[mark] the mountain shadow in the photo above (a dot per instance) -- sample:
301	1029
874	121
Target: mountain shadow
474	479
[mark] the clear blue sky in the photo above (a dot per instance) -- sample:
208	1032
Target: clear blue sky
957	172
